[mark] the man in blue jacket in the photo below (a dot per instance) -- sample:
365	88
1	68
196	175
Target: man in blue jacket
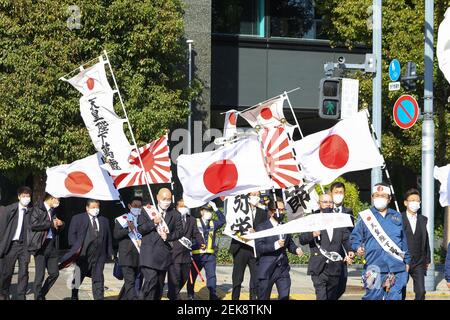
379	235
273	264
447	267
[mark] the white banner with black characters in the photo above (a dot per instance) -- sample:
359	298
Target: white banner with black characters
300	200
104	125
239	217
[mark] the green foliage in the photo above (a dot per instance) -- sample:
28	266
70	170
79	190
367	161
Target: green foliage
223	256
351	199
347	23
40	124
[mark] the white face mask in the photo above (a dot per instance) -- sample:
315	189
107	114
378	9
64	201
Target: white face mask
183	210
164	204
25	201
93	212
338	198
207	215
55	205
414	206
254	200
380	203
135	211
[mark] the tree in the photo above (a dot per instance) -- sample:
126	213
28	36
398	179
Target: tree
348	23
40	124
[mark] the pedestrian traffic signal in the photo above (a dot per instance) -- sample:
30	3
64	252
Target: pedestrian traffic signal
410	77
330	98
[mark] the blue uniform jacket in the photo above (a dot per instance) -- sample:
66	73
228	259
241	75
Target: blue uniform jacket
217	225
374	254
447	265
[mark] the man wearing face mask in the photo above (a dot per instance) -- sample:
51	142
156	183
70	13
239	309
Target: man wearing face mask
178	273
379	236
204	255
42	239
273	264
125	232
14	223
158	227
91	245
327	254
337	190
243	254
415	227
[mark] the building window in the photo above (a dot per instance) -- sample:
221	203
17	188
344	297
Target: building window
294	19
244	17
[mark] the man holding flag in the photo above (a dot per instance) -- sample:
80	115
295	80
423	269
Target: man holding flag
158	226
125	231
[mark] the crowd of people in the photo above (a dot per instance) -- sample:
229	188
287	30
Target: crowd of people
165	240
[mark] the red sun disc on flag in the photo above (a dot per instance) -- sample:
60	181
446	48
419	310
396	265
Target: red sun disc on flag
232	119
78	182
266	113
220	176
334	152
90	83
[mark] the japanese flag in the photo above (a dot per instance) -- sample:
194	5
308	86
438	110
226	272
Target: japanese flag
268	114
348	146
231	170
229	126
83	179
443	45
443	175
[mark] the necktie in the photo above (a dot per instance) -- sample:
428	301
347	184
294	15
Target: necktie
94	223
336	210
22	227
183	219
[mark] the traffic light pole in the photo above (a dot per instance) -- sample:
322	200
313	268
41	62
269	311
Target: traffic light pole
428	140
376	174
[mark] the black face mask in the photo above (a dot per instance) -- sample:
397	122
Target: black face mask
327	210
279	218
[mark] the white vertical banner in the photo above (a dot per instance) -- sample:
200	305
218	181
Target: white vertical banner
239	218
350	96
301	200
104	125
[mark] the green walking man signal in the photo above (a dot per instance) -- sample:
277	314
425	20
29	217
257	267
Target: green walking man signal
330	98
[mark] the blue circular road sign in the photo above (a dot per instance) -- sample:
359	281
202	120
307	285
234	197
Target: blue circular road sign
394	70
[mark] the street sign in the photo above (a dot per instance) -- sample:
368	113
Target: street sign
349	97
394	86
406	111
394	70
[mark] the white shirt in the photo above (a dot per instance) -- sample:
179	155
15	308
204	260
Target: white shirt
50	233
19	222
412	220
92	222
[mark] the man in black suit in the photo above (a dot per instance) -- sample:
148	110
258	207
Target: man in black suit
90	238
273	264
158	227
415	227
128	252
178	273
41	239
327	261
13	244
243	254
337	190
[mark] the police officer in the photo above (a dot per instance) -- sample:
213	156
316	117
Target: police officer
379	235
204	255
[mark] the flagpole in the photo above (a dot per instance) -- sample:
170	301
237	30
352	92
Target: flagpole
260	103
293	113
131	130
81	67
377	142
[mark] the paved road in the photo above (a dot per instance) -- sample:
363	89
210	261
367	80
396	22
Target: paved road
301	289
